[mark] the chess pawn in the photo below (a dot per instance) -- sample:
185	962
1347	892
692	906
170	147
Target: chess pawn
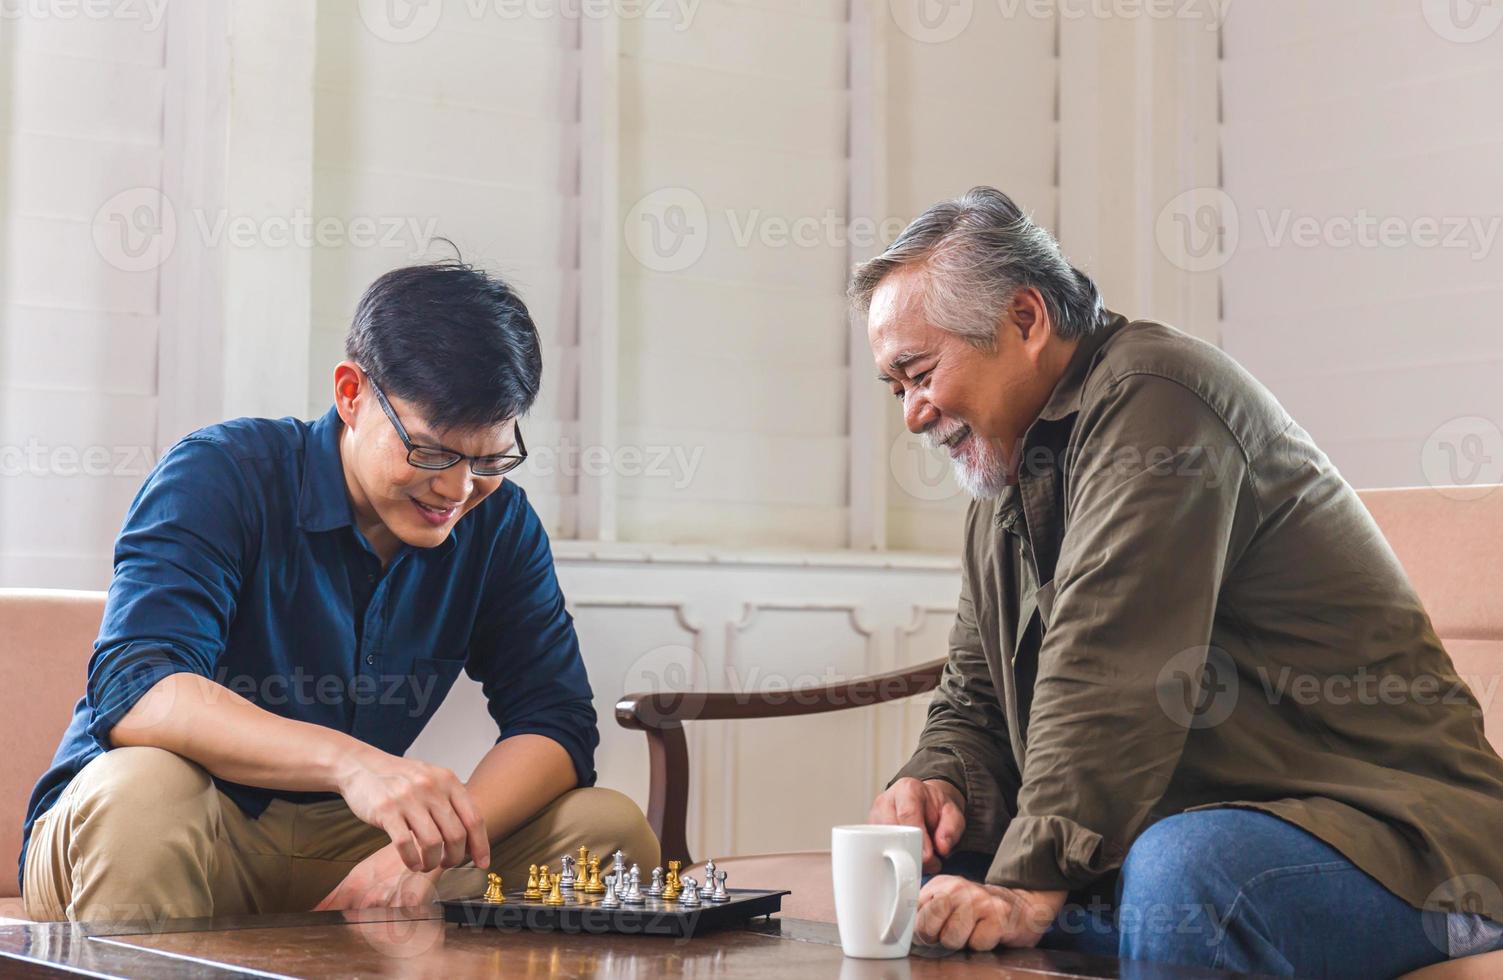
493	893
618	872
534	890
634	894
566	879
720	894
593	884
656	888
690	896
582	862
610	901
555	896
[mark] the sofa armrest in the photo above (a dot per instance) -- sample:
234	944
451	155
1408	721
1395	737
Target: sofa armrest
661	716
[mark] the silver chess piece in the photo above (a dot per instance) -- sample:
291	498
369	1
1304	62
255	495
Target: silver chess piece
634	894
656	888
618	872
566	877
720	894
689	897
707	890
609	900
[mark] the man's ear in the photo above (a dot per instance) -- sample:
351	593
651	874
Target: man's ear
1029	316
349	388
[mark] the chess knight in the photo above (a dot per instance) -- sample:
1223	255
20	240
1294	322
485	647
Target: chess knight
291	603
1159	566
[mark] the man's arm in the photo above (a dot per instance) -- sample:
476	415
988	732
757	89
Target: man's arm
1162	506
426	811
526	657
179	562
962	778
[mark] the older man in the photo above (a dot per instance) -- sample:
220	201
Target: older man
1194	711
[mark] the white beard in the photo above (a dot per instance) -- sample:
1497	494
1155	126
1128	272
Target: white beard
980	470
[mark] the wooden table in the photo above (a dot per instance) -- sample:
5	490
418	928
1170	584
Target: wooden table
418	943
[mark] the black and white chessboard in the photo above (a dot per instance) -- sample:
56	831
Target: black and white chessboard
582	913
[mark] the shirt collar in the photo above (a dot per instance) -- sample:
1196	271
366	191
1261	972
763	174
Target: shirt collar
324	501
1065	401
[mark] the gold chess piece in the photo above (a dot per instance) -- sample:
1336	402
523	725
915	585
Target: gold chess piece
555	893
594	886
671	885
493	892
534	890
581	869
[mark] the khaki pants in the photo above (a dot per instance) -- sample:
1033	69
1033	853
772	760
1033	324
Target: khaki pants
142	833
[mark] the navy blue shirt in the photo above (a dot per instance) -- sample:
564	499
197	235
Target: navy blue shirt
240	561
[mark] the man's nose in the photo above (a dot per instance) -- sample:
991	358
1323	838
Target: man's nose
455	483
919	413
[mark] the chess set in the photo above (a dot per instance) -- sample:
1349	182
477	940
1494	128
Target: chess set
579	898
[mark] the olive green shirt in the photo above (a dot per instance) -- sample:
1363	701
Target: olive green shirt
1182	605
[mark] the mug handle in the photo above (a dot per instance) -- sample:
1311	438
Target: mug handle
905	869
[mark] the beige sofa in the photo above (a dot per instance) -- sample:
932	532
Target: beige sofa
1449	541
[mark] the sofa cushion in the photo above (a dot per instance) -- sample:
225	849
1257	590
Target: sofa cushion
49	636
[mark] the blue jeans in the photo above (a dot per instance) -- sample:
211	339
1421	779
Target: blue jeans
1240	890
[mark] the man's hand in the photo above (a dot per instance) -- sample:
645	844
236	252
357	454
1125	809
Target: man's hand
382	881
425	810
962	914
933	806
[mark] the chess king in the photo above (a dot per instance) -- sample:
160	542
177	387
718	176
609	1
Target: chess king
1112	762
291	602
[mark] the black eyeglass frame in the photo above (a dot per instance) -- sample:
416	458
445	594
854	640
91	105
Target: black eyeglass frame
509	461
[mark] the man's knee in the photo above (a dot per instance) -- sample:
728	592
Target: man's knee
1174	898
616	821
137	777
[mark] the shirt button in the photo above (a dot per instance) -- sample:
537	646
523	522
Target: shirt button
370	578
370	658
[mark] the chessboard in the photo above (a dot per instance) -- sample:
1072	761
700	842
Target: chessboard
579	898
583	914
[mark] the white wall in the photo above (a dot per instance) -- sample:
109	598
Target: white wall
81	124
1389	353
468	129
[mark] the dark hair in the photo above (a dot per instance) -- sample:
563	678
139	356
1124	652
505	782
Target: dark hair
455	341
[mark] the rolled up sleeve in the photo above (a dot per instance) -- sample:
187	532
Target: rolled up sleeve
965	739
177	571
1161	504
525	652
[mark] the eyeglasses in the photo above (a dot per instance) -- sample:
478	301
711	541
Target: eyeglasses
429	458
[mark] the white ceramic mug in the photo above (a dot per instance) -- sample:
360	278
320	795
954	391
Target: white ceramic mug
876	871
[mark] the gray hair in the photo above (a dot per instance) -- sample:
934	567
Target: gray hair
980	249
